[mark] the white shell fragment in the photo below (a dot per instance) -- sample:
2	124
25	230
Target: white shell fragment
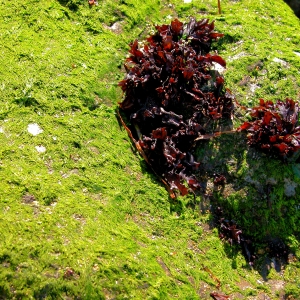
34	129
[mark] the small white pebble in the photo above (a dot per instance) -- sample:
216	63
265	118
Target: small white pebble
34	129
40	149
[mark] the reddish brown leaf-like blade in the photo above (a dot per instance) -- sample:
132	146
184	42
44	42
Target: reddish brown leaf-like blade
160	89
288	138
176	26
220	80
126	104
160	133
218	59
267	118
167	43
215	35
212	276
273	138
244	126
282	147
123	84
218	296
134	49
161	54
210	136
219	7
140	150
175	184
266	146
162	29
188	73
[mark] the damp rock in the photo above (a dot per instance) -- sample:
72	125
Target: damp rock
289	187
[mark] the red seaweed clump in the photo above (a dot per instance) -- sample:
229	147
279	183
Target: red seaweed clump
171	89
273	128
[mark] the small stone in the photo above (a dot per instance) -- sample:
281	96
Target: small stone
218	68
280	61
34	129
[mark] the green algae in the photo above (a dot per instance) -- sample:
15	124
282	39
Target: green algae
86	219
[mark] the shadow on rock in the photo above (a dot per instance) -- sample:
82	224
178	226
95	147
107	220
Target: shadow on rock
259	201
295	6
